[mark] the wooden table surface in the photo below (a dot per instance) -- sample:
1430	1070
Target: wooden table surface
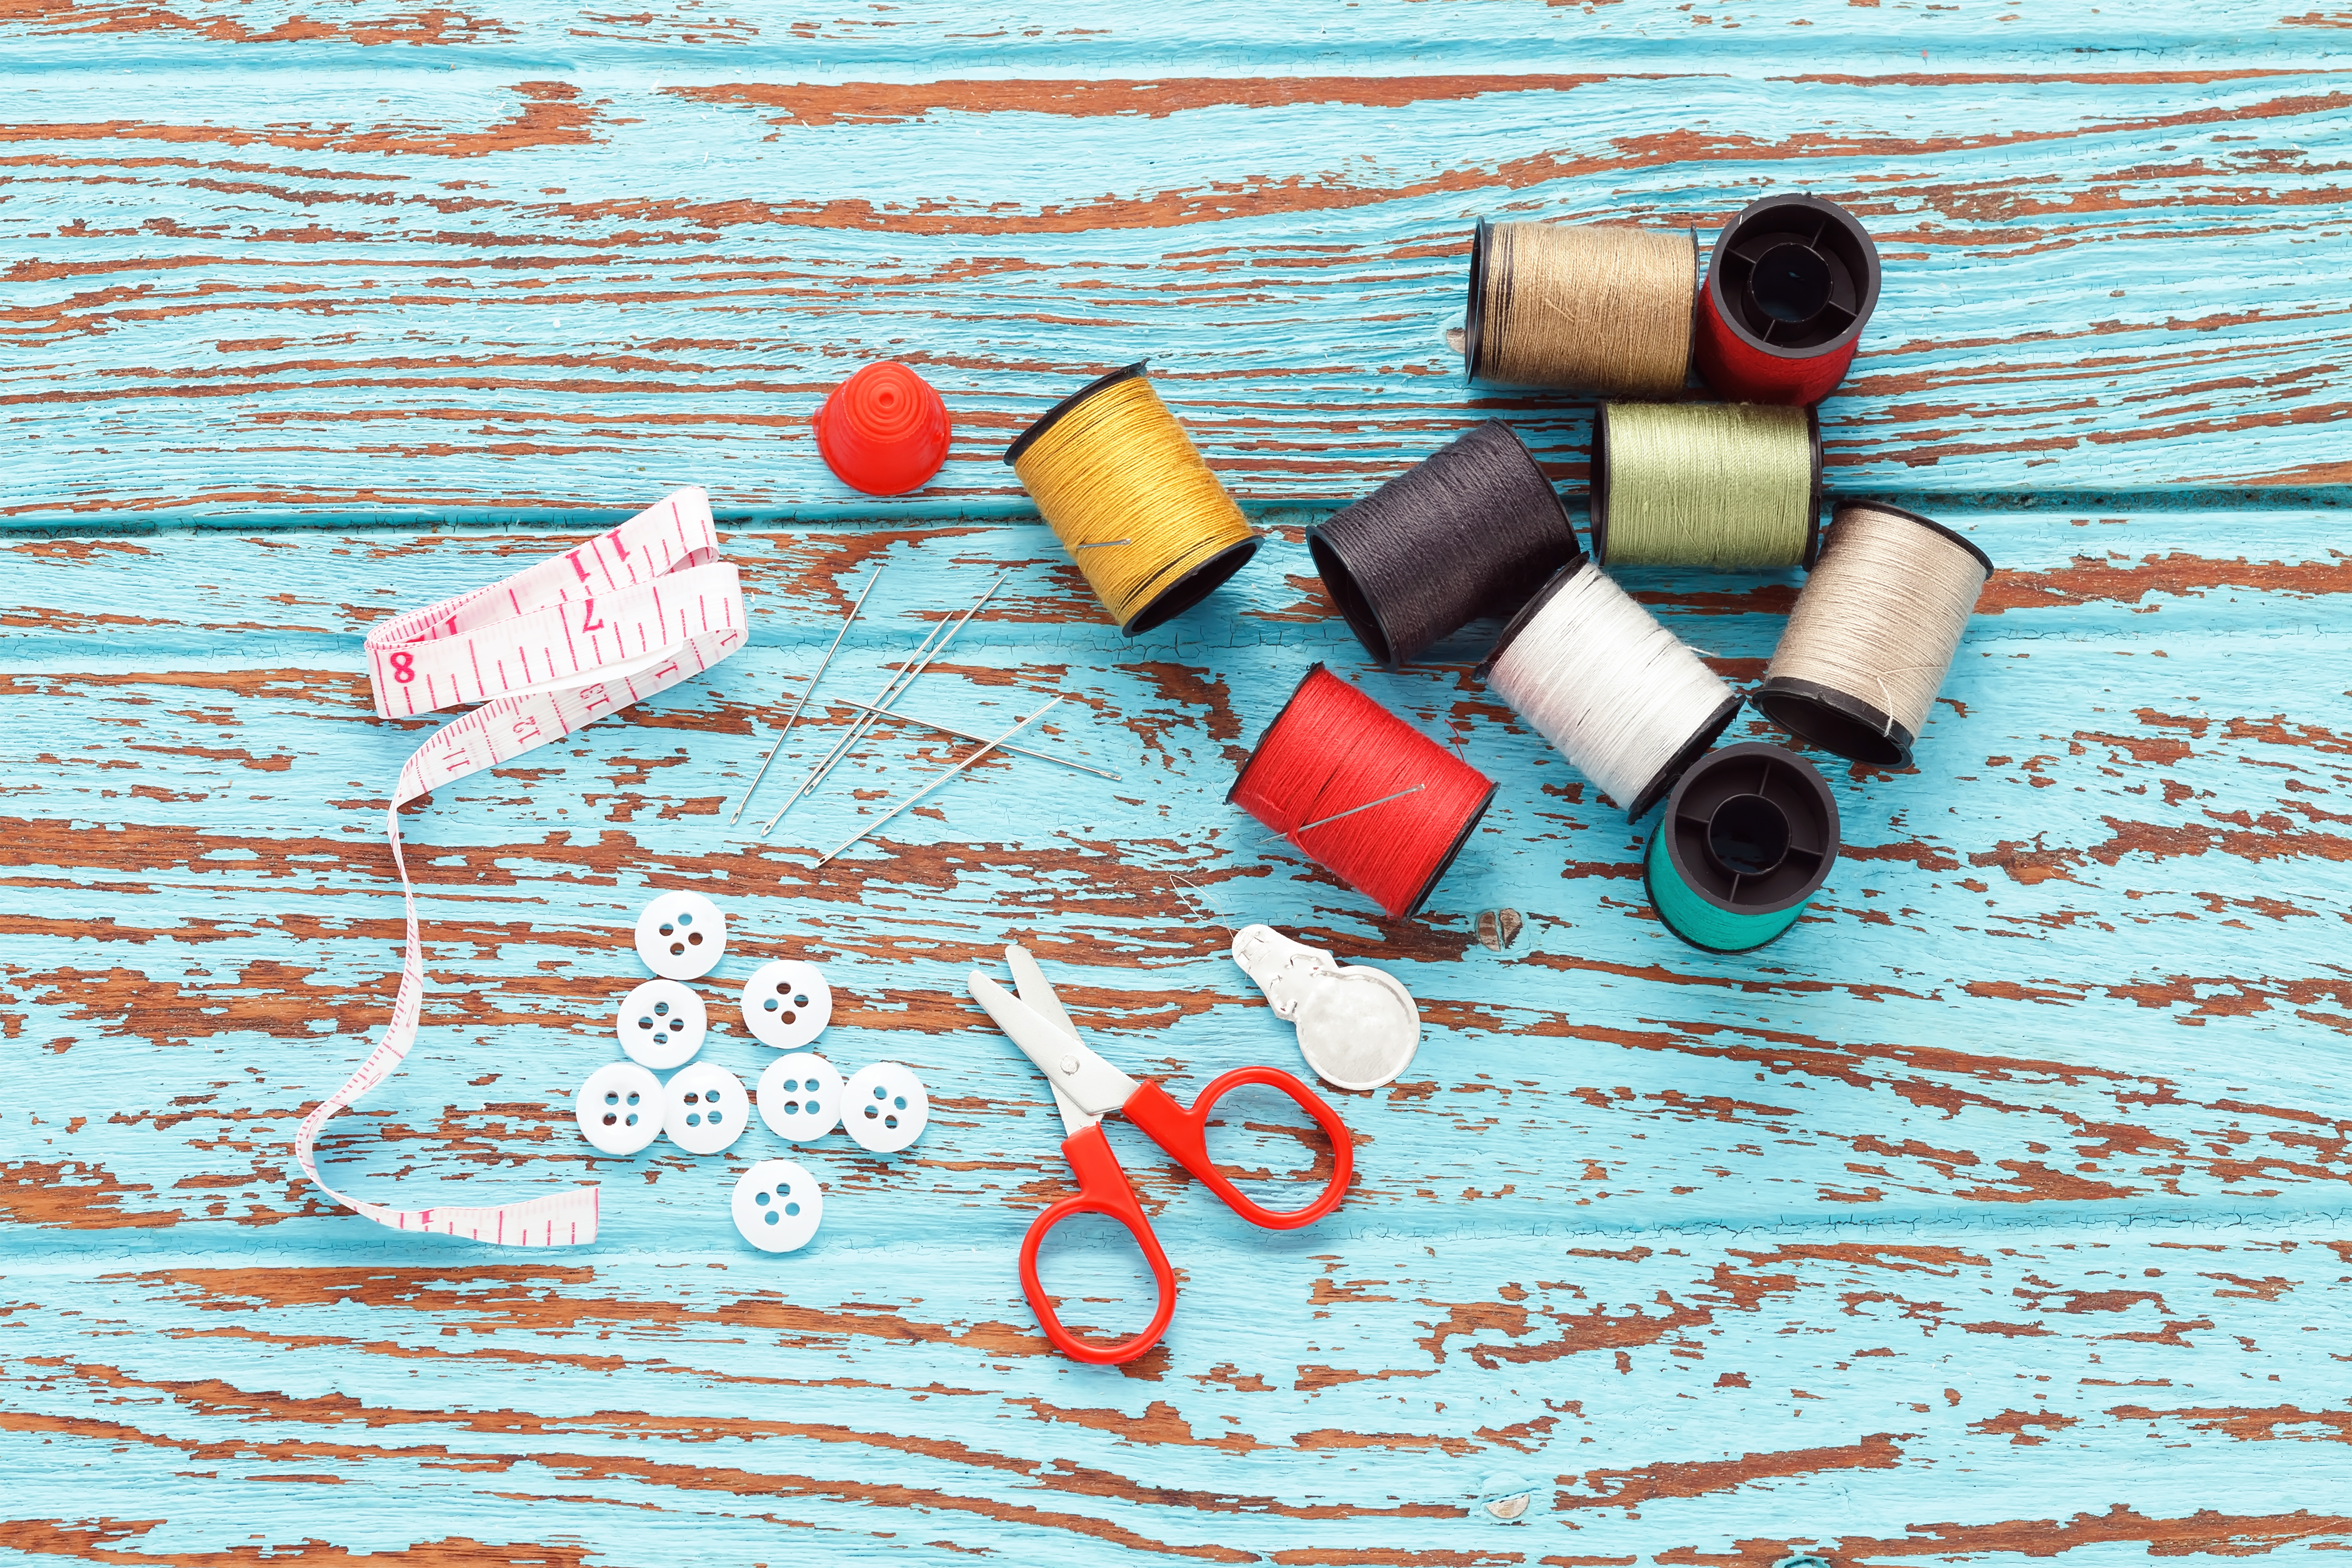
1996	1213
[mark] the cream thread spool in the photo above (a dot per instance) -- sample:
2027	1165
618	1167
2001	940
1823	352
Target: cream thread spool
1599	678
1732	486
1601	307
1874	633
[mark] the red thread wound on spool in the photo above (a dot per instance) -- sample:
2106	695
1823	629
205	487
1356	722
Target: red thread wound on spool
883	430
1788	290
1326	757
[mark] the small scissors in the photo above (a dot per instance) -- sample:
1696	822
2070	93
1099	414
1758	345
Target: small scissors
1086	1089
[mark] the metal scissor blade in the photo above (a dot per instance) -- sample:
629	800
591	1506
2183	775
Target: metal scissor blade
1037	993
1081	1081
1036	990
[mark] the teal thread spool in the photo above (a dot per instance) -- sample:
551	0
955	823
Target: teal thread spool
1749	836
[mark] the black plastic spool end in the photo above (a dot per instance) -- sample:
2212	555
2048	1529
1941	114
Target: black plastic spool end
1473	314
1753	831
1794	277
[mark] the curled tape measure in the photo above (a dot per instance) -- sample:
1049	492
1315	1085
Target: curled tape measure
580	635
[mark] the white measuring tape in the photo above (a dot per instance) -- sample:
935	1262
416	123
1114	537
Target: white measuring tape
558	645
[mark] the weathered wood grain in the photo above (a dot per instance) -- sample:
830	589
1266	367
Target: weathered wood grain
2086	962
475	271
1994	1214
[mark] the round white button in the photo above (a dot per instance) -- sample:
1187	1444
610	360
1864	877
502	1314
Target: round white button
787	1004
681	935
800	1097
707	1108
778	1206
619	1108
661	1024
883	1108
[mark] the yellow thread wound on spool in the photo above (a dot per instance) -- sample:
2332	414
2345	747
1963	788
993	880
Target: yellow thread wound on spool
1734	487
1127	493
1593	308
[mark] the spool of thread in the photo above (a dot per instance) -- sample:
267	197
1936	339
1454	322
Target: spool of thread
1471	529
1750	833
1124	490
1590	308
1735	486
1791	284
1618	693
1362	793
1874	633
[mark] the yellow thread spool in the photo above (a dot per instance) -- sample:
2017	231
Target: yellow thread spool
1124	492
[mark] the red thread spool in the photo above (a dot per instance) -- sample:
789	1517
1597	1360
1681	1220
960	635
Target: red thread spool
1791	284
883	430
1332	750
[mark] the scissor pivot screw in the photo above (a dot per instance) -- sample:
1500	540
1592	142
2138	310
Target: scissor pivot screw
1070	1067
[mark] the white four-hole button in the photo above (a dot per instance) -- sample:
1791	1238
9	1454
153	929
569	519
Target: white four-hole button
681	936
707	1108
778	1206
787	1004
620	1108
800	1096
661	1024
883	1108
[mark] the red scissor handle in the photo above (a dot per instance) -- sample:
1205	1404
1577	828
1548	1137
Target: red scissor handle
1183	1133
1103	1190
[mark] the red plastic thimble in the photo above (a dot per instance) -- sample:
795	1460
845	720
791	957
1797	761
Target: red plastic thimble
883	430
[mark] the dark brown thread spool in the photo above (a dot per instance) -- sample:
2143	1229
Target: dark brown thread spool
1472	529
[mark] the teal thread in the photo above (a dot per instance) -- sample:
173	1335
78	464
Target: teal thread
1699	922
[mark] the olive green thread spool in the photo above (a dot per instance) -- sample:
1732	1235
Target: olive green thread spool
1734	487
1748	836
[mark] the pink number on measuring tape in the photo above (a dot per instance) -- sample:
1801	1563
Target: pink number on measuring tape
671	572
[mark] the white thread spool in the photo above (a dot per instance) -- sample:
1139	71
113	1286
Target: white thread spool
1874	633
1620	695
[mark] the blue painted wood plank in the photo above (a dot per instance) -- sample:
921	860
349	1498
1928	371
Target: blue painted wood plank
1994	1214
500	296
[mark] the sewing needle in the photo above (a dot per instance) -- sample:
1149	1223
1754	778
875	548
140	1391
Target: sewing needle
943	778
968	735
932	646
1353	809
822	665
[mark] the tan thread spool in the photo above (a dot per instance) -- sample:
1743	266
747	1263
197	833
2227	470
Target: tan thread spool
1736	486
1589	307
1126	492
1874	633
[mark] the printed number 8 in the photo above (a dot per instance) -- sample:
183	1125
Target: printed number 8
404	668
